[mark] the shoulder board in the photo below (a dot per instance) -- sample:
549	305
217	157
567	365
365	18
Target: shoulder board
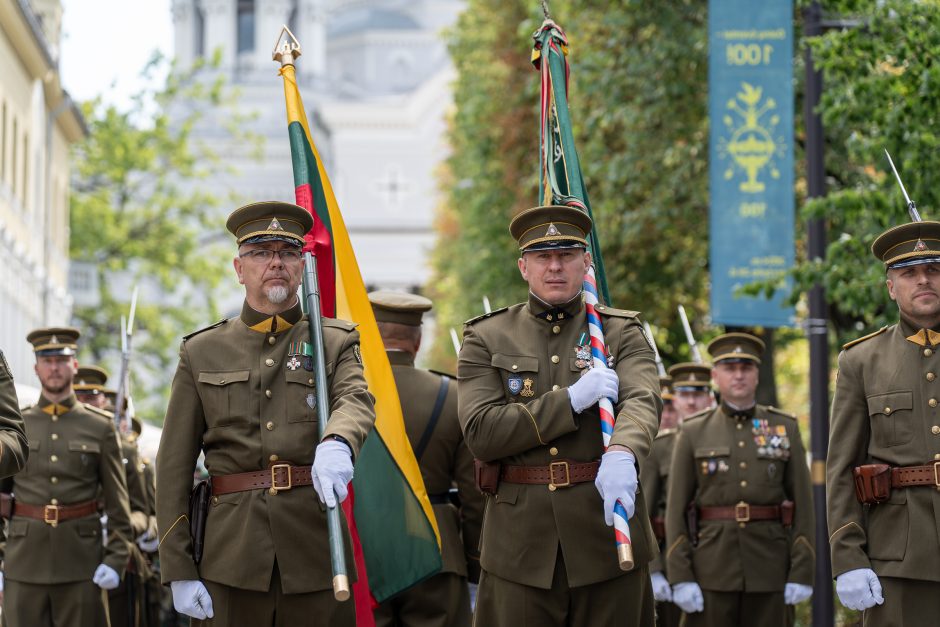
780	412
665	433
604	310
862	339
450	376
338	323
700	414
100	412
486	315
211	326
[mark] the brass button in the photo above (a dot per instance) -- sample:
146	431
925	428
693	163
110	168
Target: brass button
743	465
273	458
55	419
269	426
268	362
515	367
932	402
555	359
556	387
310	381
927	352
741	444
742	525
54	502
53	458
215	500
54	479
551	487
84	447
744	484
931	376
556	329
55	436
268	393
935	429
937	456
553	451
740	426
887	410
272	339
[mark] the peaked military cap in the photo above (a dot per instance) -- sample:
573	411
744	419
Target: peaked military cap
54	341
270	220
736	347
665	388
90	379
908	245
550	227
690	375
400	307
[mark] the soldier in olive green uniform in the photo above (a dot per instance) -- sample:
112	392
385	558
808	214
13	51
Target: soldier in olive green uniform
55	566
886	556
743	467
13	446
244	394
429	406
693	390
654	475
528	400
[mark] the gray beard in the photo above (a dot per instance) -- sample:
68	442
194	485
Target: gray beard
276	295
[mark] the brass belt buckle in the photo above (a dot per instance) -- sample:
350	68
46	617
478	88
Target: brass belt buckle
275	488
552	485
50	515
936	474
742	512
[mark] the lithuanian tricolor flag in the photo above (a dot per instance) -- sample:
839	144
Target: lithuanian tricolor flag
399	538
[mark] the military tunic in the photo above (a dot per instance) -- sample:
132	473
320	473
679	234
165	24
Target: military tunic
74	454
513	371
885	410
239	396
13	446
723	457
442	600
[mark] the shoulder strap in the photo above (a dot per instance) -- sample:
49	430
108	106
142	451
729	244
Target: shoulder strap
435	415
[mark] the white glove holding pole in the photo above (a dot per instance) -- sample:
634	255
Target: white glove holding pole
794	593
688	596
662	591
106	577
191	598
597	383
148	542
859	589
332	470
617	481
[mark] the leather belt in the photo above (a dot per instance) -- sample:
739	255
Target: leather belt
560	474
277	478
742	512
905	476
54	514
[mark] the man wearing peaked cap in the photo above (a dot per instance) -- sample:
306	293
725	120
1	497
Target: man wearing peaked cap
55	564
693	388
89	385
884	541
14	448
528	405
244	394
429	407
748	550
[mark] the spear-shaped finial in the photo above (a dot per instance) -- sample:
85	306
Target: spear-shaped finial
287	48
911	207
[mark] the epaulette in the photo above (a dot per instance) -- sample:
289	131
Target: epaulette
666	432
862	339
97	410
486	315
780	412
211	326
450	376
604	310
699	414
338	323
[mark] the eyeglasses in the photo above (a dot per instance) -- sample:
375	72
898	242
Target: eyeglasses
265	255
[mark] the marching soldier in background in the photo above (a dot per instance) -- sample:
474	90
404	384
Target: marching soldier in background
882	468
429	406
54	563
14	448
693	389
244	394
528	406
654	476
745	550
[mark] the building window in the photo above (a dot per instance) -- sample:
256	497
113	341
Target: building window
246	25
199	22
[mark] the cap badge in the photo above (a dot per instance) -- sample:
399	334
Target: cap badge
737	349
275	225
920	246
692	377
54	340
552	230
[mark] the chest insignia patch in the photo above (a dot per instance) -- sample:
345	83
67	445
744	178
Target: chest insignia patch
293	363
358	352
311	401
514	383
308	363
527	390
772	470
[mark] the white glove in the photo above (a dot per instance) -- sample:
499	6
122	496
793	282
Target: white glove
106	577
688	596
148	543
859	589
597	383
616	481
794	593
473	595
661	589
190	597
332	470
1	581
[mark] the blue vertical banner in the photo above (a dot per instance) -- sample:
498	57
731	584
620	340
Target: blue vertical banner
750	106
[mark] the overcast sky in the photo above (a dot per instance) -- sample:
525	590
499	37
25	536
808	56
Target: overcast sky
106	43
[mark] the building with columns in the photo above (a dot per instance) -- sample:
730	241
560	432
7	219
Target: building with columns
38	124
375	77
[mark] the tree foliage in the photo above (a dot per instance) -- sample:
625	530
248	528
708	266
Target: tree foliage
138	215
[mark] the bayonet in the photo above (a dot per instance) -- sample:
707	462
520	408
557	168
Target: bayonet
911	207
693	346
127	334
659	360
455	340
486	305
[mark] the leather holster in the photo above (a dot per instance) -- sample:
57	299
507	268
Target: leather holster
872	483
487	476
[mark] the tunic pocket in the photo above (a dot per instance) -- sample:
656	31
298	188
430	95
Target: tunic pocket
301	396
519	374
712	463
891	418
84	454
225	396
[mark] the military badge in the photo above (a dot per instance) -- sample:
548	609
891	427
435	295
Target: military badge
311	401
293	363
308	363
515	384
552	230
582	356
527	390
920	246
358	352
772	470
275	225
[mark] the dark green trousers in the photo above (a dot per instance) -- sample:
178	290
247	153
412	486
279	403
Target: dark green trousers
667	614
625	601
907	602
741	609
77	604
441	601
